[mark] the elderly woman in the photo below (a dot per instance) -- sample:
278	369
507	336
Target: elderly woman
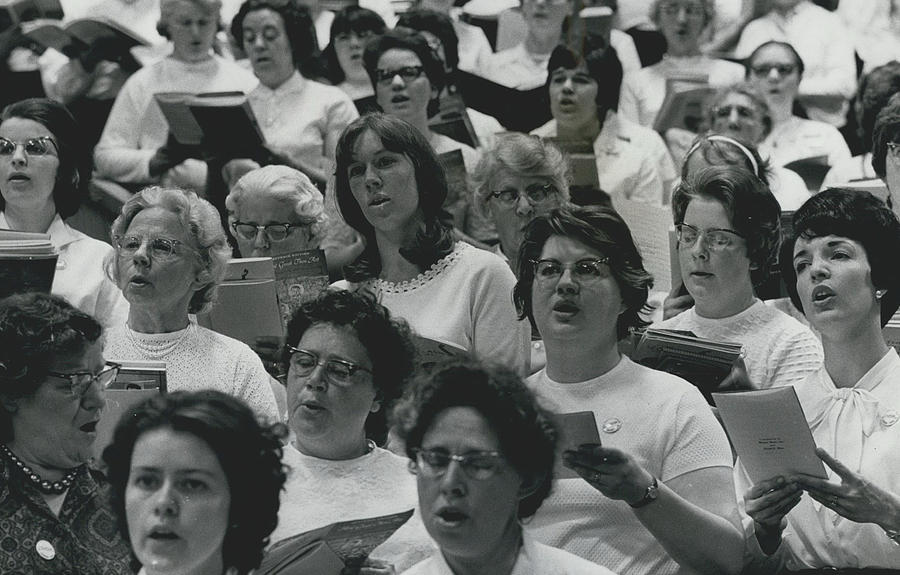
847	280
517	179
632	161
195	483
351	28
43	178
390	188
133	146
170	255
52	376
777	69
886	149
483	418
728	230
682	23
347	361
657	496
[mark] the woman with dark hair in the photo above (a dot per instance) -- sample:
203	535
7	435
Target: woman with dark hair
351	28
54	505
43	180
195	483
390	188
632	161
657	496
846	243
482	417
347	362
728	227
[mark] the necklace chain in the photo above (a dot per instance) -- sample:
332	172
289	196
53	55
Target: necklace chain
44	486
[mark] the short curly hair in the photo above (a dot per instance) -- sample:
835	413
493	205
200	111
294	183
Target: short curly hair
753	210
599	228
387	341
751	92
298	26
35	329
886	131
525	431
249	453
202	223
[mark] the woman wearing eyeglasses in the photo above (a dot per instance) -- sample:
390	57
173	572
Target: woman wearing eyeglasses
347	362
43	180
728	229
55	509
482	451
776	69
170	256
657	496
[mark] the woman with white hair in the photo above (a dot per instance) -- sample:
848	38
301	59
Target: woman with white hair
133	148
170	256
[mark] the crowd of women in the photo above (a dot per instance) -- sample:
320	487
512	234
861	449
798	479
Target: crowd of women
342	420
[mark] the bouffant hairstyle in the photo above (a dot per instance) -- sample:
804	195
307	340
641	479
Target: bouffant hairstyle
753	210
525	432
387	341
73	173
249	453
434	239
349	20
202	223
298	26
887	131
35	329
601	229
863	218
602	65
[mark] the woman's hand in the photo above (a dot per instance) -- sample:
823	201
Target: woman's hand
767	503
610	471
737	378
268	348
855	498
677	301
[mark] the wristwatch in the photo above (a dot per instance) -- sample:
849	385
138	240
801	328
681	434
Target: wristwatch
650	495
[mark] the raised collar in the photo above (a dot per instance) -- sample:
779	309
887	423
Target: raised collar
295	83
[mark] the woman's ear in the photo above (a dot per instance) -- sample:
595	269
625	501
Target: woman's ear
203	278
376	405
529	485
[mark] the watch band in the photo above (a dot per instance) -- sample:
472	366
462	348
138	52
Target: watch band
650	495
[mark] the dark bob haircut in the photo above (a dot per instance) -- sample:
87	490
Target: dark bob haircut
249	453
406	39
434	239
602	65
423	20
875	89
73	173
886	131
601	229
298	26
753	210
386	339
525	432
350	20
36	329
863	218
798	61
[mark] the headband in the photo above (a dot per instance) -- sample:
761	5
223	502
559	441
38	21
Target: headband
727	140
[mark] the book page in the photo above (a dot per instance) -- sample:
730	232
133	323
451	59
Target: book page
573	429
649	225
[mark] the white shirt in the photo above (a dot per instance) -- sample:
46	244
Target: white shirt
799	138
824	43
859	427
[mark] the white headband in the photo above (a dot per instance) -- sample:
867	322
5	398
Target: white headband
727	140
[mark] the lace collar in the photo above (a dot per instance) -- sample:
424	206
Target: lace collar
382	286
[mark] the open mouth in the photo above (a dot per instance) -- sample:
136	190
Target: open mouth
701	275
89	427
566	307
19	178
379	201
399	99
822	294
162	534
139	281
312	406
450	516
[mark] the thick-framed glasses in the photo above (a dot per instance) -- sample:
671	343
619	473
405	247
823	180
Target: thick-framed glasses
763	70
81	381
478	465
274	232
690	10
894	149
584	271
716	239
743	112
407	73
337	371
159	248
40	146
536	194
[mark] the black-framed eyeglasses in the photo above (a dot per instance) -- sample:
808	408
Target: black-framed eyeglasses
338	371
274	232
158	248
407	73
39	146
478	465
690	10
535	194
81	381
584	271
763	70
743	112
717	239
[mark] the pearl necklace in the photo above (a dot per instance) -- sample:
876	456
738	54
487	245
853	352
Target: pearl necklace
44	486
153	349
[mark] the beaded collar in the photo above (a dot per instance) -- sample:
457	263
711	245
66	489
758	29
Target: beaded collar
44	486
